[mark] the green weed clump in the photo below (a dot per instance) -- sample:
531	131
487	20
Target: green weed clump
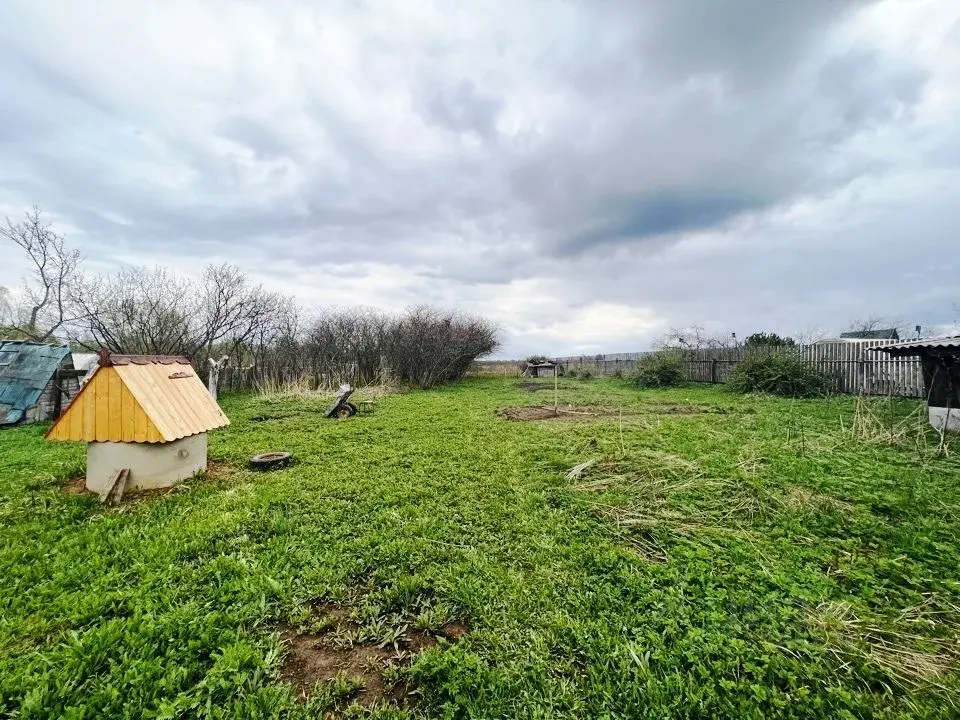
786	375
662	369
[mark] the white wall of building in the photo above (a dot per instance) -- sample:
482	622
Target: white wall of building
949	417
151	465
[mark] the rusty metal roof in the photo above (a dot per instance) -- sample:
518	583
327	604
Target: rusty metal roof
156	400
914	347
111	359
26	368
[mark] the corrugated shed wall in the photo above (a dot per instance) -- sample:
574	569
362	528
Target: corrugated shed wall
26	392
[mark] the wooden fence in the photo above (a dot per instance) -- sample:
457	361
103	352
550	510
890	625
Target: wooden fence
856	367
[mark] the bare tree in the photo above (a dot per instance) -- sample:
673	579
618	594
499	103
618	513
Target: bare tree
140	311
6	307
153	311
696	337
811	335
230	308
50	287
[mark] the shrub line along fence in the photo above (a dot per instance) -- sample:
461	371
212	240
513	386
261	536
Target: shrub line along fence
855	368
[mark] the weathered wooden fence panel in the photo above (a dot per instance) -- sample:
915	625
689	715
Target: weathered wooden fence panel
856	367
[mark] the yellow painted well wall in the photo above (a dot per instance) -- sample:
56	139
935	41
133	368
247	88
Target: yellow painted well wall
105	411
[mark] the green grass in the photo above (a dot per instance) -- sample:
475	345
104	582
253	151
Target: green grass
755	561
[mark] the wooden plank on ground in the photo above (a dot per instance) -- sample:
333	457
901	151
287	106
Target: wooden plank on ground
115	490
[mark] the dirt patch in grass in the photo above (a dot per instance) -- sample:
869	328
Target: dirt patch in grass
218	470
310	660
341	660
76	486
453	631
526	413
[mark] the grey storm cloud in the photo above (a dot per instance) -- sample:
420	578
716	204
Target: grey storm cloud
462	108
559	166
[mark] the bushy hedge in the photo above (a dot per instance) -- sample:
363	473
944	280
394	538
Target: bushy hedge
422	346
786	375
662	369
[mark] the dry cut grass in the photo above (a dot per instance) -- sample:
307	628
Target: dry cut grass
919	647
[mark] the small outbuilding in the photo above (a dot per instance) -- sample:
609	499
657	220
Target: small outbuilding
542	368
940	359
35	381
145	414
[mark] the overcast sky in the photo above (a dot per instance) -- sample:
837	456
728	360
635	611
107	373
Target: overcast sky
588	174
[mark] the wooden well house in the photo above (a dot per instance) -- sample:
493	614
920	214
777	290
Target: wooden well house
145	420
940	359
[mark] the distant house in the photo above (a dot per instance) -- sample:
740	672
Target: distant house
888	334
30	389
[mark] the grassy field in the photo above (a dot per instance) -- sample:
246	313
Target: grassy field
709	556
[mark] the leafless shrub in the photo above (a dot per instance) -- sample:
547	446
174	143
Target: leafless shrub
426	346
422	347
154	311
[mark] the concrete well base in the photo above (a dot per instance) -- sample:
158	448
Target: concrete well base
940	418
152	465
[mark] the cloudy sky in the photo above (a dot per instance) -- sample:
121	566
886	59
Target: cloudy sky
588	173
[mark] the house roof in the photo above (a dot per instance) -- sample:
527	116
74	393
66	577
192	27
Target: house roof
886	334
139	399
26	368
917	347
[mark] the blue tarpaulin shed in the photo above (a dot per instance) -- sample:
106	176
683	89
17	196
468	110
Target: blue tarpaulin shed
28	379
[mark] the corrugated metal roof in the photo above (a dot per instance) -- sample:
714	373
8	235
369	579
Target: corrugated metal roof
140	401
925	344
26	368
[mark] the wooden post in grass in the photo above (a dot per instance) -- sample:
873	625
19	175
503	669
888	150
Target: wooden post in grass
555	392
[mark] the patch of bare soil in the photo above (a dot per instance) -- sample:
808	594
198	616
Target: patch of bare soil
526	413
325	656
218	470
453	631
76	486
310	660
